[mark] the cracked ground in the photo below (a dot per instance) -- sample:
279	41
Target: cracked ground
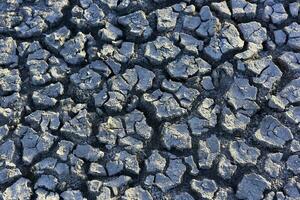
149	99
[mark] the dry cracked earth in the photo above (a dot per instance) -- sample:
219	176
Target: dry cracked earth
149	99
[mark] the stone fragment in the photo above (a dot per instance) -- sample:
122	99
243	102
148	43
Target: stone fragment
293	32
295	146
242	153
294	8
193	167
43	120
8	52
34	144
252	186
288	95
272	133
118	183
137	193
209	24
227	40
109	131
191	22
96	169
64	149
183	196
161	50
163	105
73	50
110	32
87	15
115	96
190	43
175	171
93	187
173	177
10	81
275	12
221	8
46	97
208	151
71	195
163	182
87	152
206	188
273	165
176	136
188	66
241	95
155	163
131	137
86	79
234	121
19	190
225	168
293	164
292	188
242	9
8	173
8	150
290	60
137	24
3	131
280	37
253	32
166	19
48	182
47	195
123	161
78	128
56	39
207	83
33	26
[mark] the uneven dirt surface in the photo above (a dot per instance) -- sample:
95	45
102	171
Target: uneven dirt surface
149	99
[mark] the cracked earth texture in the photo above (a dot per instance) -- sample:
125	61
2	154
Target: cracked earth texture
149	99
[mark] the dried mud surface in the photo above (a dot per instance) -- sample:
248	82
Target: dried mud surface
149	99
